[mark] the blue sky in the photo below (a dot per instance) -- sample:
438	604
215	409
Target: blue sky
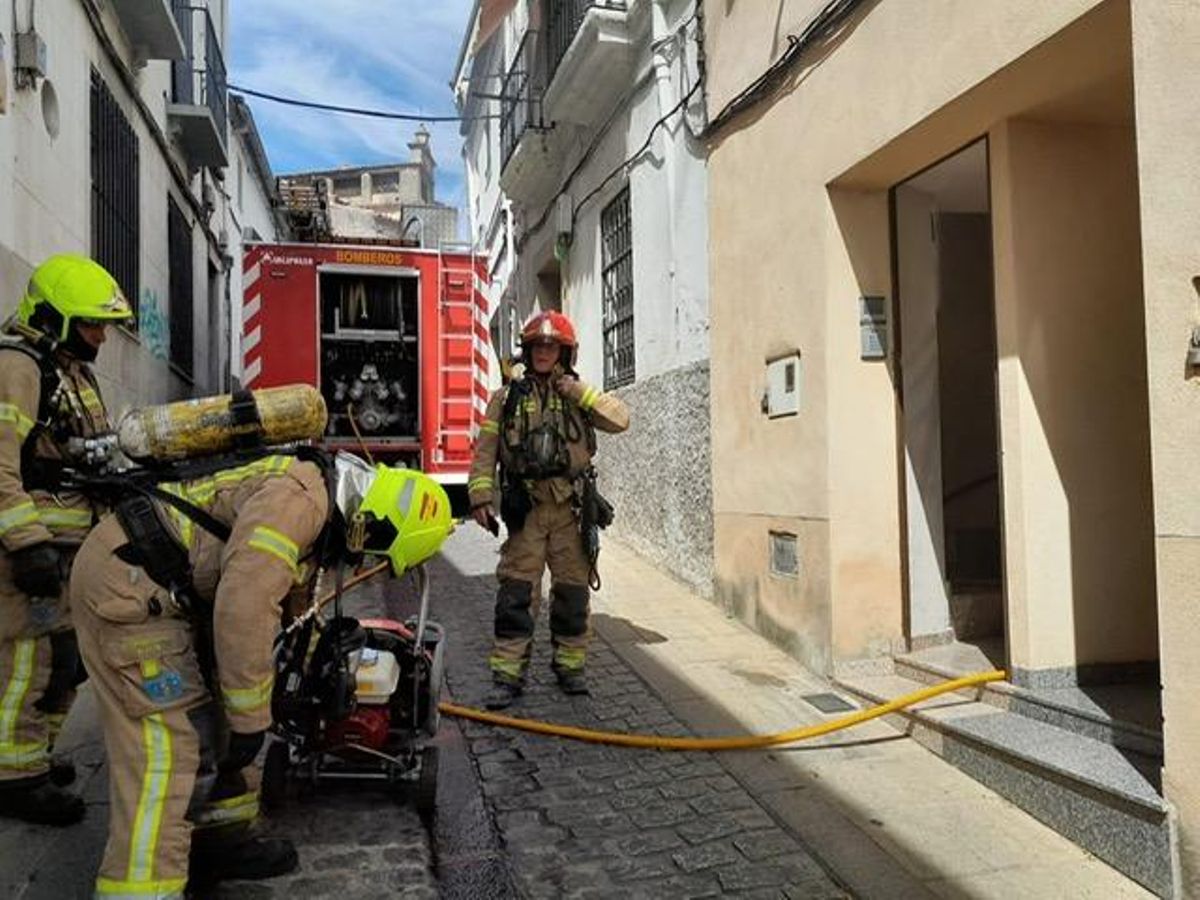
381	54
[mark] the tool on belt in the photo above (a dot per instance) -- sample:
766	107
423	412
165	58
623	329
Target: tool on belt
595	514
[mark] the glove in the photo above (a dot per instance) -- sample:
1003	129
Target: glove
570	388
485	515
241	751
36	571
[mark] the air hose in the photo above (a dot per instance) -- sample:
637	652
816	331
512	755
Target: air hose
744	742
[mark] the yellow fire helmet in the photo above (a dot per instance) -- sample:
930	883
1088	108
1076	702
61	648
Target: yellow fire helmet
67	288
408	516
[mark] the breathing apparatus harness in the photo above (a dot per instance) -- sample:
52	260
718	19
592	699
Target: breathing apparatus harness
153	544
61	413
542	452
536	453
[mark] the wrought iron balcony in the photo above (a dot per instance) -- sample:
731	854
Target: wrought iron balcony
521	91
564	18
198	112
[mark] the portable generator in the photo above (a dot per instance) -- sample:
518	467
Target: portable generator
358	700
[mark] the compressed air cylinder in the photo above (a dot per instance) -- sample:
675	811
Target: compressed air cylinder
211	425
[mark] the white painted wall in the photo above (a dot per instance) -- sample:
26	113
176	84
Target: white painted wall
489	221
668	205
917	252
668	198
45	193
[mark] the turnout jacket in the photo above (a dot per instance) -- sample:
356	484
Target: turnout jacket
30	513
587	407
276	508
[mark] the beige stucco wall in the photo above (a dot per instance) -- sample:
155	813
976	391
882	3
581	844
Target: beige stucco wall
1074	420
1166	54
788	268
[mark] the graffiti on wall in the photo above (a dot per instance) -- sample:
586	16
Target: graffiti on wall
152	325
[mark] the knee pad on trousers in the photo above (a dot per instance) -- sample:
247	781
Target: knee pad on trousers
569	611
513	619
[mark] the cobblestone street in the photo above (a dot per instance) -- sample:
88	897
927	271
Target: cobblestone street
519	815
522	815
580	820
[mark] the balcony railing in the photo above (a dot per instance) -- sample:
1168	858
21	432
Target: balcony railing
563	21
199	79
521	91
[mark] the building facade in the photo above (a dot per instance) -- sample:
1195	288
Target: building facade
254	213
953	290
391	201
114	143
586	186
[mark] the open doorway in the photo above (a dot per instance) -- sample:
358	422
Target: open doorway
943	245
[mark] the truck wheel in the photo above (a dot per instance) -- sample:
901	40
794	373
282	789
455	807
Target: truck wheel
425	799
273	793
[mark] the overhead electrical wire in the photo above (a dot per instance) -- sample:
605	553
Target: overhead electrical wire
353	110
833	15
603	131
633	157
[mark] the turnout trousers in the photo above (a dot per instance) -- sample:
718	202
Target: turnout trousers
38	660
162	727
550	537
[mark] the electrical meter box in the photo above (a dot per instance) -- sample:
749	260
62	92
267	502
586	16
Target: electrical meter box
783	386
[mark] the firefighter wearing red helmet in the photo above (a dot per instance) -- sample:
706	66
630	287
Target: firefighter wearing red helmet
540	431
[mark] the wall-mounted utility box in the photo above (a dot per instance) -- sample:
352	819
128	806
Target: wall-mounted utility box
783	386
31	54
785	560
873	327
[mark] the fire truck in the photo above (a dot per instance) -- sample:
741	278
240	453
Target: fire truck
394	337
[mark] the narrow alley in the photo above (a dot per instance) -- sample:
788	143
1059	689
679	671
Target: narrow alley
864	813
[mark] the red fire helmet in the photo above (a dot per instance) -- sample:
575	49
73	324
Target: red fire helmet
549	327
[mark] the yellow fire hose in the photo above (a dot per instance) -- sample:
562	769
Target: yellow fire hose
745	742
656	742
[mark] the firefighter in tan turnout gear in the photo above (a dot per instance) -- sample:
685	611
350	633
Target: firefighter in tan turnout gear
49	406
540	431
176	612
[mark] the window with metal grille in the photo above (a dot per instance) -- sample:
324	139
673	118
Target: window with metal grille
179	255
115	195
616	238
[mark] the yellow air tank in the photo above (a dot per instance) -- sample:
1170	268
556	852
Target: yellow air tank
211	425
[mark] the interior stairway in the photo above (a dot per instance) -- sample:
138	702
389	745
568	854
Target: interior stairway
1086	761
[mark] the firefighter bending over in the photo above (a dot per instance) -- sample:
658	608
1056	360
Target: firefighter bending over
49	406
540	429
177	611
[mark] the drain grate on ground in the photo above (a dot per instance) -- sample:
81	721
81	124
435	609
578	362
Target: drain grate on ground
827	703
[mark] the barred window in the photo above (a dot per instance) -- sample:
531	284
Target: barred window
115	195
181	286
616	237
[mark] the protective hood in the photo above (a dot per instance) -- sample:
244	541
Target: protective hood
354	479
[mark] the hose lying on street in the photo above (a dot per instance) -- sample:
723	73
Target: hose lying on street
744	742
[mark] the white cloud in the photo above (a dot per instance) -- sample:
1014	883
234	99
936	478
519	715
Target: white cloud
381	54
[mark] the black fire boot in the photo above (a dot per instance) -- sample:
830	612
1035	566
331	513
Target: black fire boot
37	800
247	858
503	693
572	682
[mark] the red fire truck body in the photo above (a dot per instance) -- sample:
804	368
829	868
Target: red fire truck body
394	337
